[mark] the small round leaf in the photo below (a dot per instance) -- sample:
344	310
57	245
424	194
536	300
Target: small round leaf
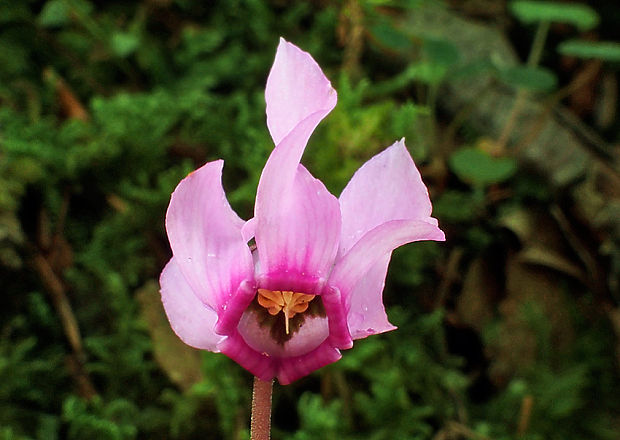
537	79
578	14
477	167
602	50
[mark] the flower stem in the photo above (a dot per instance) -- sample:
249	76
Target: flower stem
533	59
260	426
538	45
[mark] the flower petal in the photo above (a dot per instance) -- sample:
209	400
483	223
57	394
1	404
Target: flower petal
296	88
278	175
376	244
259	364
297	228
387	187
367	313
291	369
205	236
190	319
247	231
339	334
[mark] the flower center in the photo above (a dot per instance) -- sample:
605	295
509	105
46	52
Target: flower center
304	327
287	302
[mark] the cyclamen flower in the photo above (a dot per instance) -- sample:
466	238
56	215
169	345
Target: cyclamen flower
315	279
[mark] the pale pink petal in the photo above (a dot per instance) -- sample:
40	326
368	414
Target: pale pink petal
313	332
259	364
367	313
387	187
372	248
192	320
297	229
293	368
248	229
278	175
205	236
296	88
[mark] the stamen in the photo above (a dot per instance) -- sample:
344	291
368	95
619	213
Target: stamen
290	303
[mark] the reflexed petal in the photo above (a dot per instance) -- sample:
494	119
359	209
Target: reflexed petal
374	246
248	229
387	187
291	369
288	201
205	236
367	314
190	319
278	175
296	88
297	228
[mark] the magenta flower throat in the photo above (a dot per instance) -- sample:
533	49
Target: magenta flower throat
314	281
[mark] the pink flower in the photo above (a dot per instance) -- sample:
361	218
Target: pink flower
314	282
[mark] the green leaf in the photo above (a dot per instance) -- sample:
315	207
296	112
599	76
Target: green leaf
441	52
475	166
537	79
390	37
580	15
54	13
124	44
426	72
473	69
82	8
603	50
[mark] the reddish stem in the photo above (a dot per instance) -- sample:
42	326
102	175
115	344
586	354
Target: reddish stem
260	426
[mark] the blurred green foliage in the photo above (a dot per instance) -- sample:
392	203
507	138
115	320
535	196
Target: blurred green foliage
603	50
106	106
535	11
